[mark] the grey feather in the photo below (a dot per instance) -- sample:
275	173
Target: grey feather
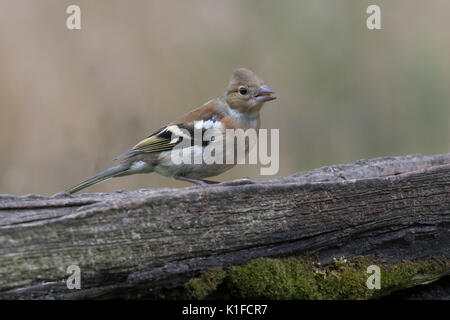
109	173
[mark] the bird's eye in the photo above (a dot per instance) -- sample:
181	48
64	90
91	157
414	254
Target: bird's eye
243	91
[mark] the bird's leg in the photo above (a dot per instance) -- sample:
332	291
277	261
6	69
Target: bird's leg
195	181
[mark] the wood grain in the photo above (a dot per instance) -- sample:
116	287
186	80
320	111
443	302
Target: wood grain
129	243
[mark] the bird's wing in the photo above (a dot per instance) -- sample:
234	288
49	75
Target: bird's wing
166	138
162	140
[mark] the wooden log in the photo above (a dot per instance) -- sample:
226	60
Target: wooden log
129	243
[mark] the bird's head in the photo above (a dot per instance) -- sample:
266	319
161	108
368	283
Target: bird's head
246	92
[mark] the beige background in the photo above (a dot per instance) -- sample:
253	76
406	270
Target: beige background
70	101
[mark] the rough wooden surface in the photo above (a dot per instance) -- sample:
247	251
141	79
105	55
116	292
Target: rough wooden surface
128	243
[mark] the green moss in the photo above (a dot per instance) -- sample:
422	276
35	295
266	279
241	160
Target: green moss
408	274
200	288
273	279
295	278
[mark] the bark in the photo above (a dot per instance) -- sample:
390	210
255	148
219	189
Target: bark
130	243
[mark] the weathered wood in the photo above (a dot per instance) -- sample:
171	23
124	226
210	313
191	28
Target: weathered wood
128	243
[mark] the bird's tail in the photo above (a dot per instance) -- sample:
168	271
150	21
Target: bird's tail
109	173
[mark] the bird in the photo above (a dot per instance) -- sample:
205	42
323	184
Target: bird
238	108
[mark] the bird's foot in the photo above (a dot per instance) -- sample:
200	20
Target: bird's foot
210	181
238	182
197	182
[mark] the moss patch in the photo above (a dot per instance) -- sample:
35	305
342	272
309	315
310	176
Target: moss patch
296	278
273	279
206	284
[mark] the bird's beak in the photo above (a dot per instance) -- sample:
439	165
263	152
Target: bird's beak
265	94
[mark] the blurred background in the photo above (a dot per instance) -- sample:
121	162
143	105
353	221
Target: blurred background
71	100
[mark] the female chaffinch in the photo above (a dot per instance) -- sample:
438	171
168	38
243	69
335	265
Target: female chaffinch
238	108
